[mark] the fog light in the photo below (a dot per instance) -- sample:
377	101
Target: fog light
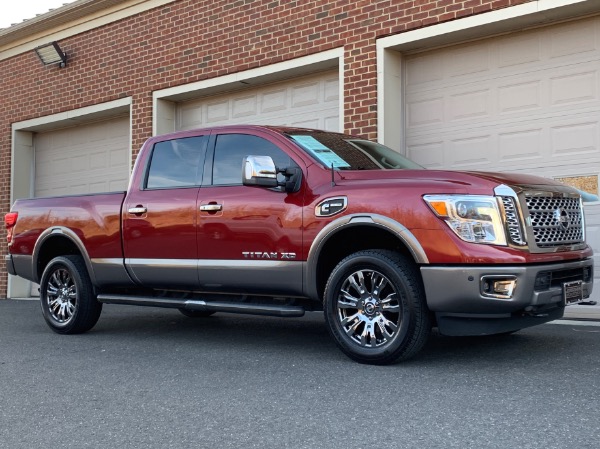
499	287
587	274
543	281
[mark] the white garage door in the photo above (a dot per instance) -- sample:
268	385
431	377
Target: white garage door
89	158
525	102
311	101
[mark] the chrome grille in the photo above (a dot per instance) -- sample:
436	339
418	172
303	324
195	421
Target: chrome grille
556	221
512	221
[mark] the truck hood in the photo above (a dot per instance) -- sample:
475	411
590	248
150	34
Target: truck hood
515	179
447	180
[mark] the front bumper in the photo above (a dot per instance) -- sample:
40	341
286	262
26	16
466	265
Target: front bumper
454	294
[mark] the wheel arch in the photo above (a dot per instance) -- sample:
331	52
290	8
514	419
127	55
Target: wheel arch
357	232
58	241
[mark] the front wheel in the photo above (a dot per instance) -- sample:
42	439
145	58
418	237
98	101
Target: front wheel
375	308
67	296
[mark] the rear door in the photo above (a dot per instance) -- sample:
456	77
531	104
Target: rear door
160	214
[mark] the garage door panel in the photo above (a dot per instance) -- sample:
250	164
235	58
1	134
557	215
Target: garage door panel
577	139
100	186
507	100
573	38
542	119
217	112
429	154
307	100
331	122
559	45
306	95
468	60
305	124
523	96
274	101
518	51
469	105
521	147
466	152
332	89
423	71
88	158
422	112
244	107
580	85
189	116
545	142
98	159
118	157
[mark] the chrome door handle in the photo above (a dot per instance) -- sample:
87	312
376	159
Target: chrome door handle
137	210
211	207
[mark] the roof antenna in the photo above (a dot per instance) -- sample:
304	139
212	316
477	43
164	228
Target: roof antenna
332	178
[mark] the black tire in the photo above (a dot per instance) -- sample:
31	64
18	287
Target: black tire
196	313
385	321
67	296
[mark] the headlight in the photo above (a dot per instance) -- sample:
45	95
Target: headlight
473	218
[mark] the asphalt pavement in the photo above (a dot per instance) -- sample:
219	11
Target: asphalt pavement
152	378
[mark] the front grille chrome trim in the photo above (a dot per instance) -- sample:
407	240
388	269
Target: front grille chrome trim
512	215
556	221
512	221
543	218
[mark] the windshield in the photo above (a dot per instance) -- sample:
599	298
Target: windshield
349	153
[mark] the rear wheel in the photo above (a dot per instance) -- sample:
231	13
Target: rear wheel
375	309
67	296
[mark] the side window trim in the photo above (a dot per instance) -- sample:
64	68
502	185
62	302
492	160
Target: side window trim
211	155
199	173
207	175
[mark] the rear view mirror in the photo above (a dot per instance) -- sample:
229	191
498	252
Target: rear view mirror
259	171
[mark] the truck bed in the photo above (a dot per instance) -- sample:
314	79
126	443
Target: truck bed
92	221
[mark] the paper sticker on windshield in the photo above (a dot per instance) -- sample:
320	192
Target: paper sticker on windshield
320	151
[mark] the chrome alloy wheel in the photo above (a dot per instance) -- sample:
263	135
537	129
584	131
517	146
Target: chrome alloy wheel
61	296
368	308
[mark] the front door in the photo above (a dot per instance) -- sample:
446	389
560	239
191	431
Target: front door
248	236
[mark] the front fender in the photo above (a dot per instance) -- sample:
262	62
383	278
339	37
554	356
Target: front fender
357	219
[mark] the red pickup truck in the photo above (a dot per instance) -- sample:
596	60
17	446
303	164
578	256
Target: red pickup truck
279	221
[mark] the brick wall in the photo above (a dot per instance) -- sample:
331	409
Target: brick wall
189	40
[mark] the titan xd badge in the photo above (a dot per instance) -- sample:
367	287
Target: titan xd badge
268	255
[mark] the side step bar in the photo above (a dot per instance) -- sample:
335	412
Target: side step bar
211	306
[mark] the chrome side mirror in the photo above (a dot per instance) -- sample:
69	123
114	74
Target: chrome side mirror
259	171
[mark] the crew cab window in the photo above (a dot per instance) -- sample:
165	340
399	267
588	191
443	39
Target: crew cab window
230	151
177	163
